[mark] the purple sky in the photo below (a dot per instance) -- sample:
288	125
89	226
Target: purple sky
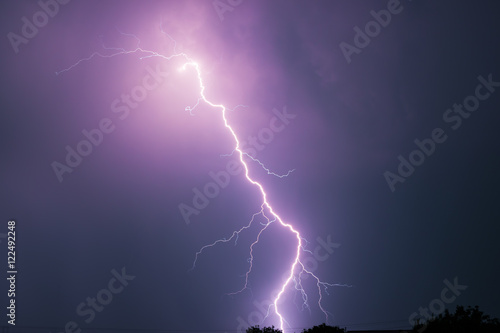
348	123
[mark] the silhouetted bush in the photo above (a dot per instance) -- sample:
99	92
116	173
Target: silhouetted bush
323	328
469	320
257	329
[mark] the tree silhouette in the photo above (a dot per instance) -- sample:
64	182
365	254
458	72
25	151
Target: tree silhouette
462	321
323	328
257	329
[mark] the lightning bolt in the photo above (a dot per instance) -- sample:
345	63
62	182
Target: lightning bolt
297	268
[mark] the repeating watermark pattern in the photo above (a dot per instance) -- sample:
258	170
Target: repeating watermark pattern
321	252
221	179
103	298
223	6
452	117
120	106
29	28
372	29
437	306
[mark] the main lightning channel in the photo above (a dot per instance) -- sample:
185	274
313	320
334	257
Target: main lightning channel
265	206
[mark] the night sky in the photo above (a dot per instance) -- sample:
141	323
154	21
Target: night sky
387	112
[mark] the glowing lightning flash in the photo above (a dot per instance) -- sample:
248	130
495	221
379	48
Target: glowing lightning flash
296	265
265	204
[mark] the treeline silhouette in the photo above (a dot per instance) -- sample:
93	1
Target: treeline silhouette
469	320
462	321
323	328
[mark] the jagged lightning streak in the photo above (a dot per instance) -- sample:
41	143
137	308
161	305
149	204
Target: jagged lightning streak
265	209
265	204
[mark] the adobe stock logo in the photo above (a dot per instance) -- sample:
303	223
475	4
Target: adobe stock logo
222	6
40	19
453	116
